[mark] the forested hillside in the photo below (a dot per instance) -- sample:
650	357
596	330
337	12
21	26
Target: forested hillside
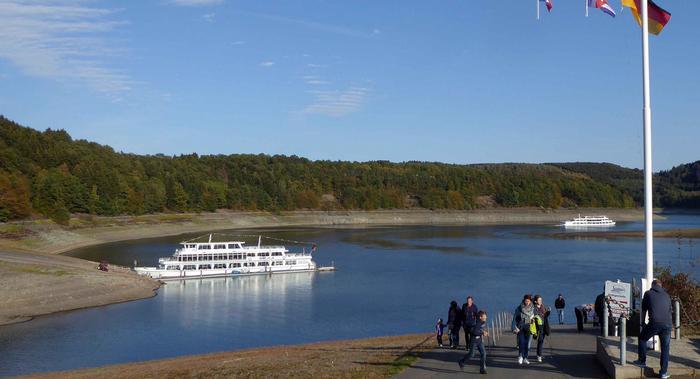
50	174
678	187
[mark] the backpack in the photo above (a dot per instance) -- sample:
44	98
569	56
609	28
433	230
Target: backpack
535	325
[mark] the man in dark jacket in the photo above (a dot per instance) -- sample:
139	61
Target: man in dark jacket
560	304
598	307
469	318
454	322
657	302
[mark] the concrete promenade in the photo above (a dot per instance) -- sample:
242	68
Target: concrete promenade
566	354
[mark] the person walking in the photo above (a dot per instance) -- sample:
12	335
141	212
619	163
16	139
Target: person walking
543	312
521	327
439	327
657	302
559	305
454	322
478	333
469	318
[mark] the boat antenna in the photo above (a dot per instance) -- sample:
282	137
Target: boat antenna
209	237
259	239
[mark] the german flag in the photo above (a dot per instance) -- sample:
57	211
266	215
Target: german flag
658	17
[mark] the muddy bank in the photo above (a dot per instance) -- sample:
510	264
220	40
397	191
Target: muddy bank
36	284
46	237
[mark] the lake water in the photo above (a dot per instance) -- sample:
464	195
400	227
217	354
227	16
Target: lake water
389	281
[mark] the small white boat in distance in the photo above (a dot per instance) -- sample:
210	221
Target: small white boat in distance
589	221
209	259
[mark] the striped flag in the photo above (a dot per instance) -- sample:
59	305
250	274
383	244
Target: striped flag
603	5
658	17
549	4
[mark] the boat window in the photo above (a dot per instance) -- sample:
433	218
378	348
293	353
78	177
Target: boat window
219	265
276	254
220	246
263	263
263	254
190	267
251	254
204	267
232	265
278	263
233	246
173	268
291	262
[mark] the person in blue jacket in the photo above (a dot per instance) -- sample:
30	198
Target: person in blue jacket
657	302
439	327
478	333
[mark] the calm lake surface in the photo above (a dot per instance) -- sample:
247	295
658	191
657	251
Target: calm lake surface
389	281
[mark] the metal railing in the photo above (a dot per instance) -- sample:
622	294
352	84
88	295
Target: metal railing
500	326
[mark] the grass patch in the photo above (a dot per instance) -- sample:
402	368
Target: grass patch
30	269
401	364
14	231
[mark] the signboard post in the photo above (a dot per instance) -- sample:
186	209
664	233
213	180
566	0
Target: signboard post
620	296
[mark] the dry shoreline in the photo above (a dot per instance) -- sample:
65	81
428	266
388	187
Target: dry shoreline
48	238
38	280
380	357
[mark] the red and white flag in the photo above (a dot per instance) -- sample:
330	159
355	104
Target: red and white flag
603	5
549	4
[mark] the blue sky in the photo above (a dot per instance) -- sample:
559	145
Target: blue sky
451	81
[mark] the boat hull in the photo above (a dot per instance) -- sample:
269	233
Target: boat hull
574	225
159	274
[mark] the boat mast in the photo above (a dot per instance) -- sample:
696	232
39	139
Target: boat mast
259	240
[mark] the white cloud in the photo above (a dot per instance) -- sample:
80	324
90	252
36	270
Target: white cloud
238	43
314	65
337	103
323	27
267	64
314	80
61	40
196	3
209	17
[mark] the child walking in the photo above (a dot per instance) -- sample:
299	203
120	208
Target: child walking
479	332
439	327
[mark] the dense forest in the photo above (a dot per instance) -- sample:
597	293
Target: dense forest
50	174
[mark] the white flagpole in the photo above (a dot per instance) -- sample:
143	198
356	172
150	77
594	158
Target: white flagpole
648	205
538	9
586	7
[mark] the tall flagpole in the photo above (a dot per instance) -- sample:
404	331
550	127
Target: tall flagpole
586	1
538	8
648	205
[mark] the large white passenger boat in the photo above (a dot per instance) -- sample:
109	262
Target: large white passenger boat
229	258
589	221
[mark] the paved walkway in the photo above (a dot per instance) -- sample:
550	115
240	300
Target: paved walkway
567	354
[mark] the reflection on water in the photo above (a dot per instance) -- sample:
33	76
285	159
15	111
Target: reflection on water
389	281
230	302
